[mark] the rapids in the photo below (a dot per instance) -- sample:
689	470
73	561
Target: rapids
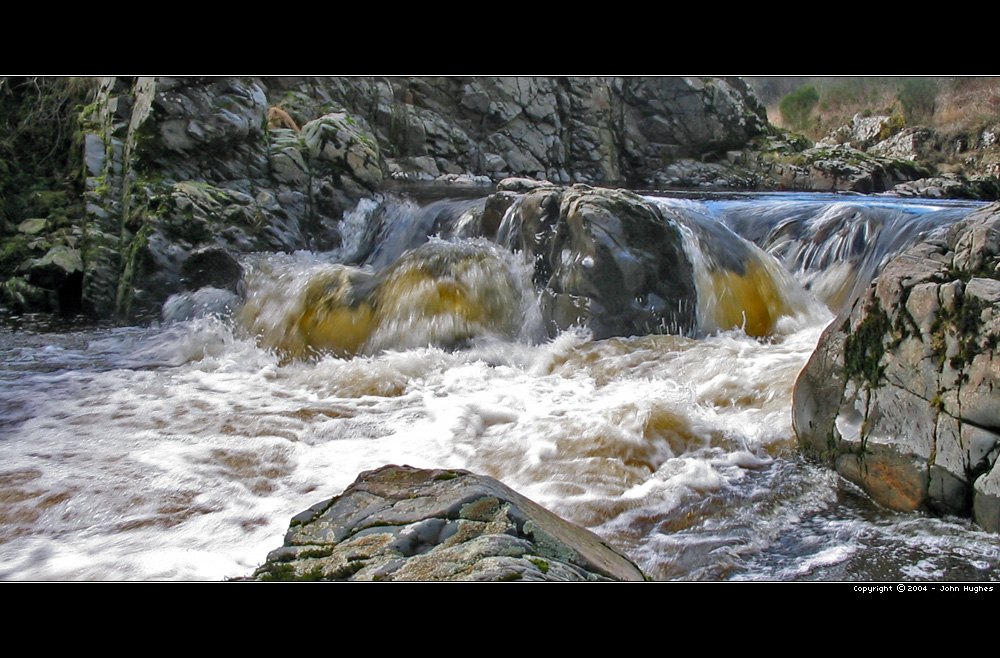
181	451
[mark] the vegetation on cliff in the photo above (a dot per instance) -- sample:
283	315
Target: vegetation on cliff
40	191
962	111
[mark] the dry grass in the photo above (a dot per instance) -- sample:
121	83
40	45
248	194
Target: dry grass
967	104
964	105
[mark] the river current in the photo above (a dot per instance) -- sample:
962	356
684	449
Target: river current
181	451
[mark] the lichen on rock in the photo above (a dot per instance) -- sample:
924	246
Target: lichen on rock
400	523
903	397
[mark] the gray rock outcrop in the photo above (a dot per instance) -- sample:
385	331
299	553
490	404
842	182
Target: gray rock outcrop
595	130
881	154
840	168
175	165
861	133
400	523
903	396
951	186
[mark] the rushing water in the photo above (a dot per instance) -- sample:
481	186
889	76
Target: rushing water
181	451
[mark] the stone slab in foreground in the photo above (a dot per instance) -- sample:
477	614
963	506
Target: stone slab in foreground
400	523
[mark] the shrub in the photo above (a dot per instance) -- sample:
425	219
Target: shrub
797	106
845	95
918	96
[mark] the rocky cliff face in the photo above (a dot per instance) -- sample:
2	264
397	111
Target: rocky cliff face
223	166
600	131
175	166
901	397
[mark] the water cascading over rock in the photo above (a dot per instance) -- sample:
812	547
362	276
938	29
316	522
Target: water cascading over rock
442	294
738	285
609	261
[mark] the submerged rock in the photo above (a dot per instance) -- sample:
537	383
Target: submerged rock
438	294
211	266
903	396
400	523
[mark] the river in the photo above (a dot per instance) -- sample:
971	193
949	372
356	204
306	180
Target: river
181	451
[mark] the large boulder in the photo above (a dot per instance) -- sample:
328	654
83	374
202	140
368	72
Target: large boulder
605	259
902	396
400	523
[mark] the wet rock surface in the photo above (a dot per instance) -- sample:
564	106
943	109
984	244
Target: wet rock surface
605	259
901	396
400	523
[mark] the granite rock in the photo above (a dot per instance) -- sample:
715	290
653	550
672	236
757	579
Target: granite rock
400	523
901	395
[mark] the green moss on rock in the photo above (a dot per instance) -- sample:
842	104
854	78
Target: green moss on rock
865	347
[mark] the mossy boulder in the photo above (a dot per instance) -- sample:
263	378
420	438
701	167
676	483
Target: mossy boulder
902	396
344	145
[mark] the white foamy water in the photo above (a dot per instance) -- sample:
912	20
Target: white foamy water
181	452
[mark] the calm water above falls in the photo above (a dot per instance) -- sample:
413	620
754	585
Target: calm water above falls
181	451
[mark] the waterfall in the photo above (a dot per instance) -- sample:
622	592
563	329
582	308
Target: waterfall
435	338
440	293
833	245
